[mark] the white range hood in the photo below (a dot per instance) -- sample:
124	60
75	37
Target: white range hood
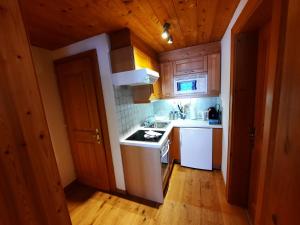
135	77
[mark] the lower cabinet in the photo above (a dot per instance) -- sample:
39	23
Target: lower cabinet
216	145
142	172
175	150
217	148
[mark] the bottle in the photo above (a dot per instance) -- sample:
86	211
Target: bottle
193	113
176	115
171	115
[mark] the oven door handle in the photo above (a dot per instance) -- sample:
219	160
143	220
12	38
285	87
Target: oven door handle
166	152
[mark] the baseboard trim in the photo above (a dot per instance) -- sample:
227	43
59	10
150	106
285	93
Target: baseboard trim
70	186
125	195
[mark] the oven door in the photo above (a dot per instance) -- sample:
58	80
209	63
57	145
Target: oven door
164	159
190	84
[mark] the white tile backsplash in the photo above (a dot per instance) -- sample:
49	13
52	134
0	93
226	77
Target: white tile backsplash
131	115
163	107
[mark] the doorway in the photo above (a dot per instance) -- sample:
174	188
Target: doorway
250	81
247	118
83	105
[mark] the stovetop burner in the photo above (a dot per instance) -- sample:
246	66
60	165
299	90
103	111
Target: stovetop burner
139	136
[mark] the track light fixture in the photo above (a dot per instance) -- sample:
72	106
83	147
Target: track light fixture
165	34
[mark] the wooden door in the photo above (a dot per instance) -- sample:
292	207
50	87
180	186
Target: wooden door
77	77
167	85
31	192
282	200
260	100
242	118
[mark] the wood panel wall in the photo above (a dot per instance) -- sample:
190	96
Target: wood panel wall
30	187
282	195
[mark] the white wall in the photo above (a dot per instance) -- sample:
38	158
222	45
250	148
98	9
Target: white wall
47	81
225	83
102	46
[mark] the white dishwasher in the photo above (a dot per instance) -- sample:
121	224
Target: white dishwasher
196	148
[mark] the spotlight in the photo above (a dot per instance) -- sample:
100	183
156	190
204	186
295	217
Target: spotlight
165	34
170	40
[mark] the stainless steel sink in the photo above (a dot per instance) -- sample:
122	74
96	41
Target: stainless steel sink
158	125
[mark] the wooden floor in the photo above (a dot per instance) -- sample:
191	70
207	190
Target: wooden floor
194	197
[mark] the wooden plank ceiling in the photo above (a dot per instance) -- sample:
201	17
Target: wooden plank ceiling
57	23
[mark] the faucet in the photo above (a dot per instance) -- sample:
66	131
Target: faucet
148	121
182	115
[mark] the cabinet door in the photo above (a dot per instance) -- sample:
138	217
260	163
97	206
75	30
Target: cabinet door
188	66
167	79
196	148
147	93
122	59
214	78
175	151
142	94
217	148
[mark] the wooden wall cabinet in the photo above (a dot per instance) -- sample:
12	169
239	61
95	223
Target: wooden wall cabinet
147	93
128	52
214	74
197	59
188	66
122	59
167	82
131	58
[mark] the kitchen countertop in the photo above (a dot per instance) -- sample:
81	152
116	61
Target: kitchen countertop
173	123
193	123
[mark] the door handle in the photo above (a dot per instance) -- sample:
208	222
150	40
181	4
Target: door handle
252	136
252	132
98	137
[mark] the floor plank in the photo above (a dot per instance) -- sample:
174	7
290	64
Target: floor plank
194	197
